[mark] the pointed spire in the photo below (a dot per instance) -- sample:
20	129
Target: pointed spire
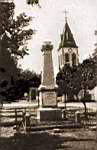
67	39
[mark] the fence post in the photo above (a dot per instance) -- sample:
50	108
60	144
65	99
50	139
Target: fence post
24	120
77	117
16	122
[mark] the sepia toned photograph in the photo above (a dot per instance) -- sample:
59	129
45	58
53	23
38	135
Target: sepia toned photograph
48	74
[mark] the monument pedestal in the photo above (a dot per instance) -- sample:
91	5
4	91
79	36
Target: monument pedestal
48	110
49	114
47	96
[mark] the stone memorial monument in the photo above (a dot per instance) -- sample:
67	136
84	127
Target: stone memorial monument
47	91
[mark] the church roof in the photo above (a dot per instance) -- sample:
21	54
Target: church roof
67	39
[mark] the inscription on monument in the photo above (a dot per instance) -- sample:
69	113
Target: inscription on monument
49	98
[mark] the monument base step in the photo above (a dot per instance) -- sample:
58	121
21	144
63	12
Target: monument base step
49	114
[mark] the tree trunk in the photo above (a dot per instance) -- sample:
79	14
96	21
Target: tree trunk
65	100
77	98
1	105
84	102
85	112
65	106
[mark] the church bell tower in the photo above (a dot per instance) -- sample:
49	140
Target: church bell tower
68	50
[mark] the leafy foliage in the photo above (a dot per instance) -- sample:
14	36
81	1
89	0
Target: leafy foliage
67	79
27	74
8	71
31	77
88	74
73	79
26	80
14	32
6	15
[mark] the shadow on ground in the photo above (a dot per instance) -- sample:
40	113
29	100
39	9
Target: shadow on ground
35	141
80	140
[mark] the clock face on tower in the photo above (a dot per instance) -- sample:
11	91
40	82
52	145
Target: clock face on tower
70	50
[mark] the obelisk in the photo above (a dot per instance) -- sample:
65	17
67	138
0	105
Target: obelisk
48	110
47	88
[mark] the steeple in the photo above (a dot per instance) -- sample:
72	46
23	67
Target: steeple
67	39
68	50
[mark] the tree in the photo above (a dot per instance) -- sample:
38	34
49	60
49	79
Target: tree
8	65
26	80
88	72
14	32
26	74
88	77
67	80
31	77
76	78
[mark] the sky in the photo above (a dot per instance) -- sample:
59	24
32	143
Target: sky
49	20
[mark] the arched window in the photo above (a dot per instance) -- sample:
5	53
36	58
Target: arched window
66	57
73	59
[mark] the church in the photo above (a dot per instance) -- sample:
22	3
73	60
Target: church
68	49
